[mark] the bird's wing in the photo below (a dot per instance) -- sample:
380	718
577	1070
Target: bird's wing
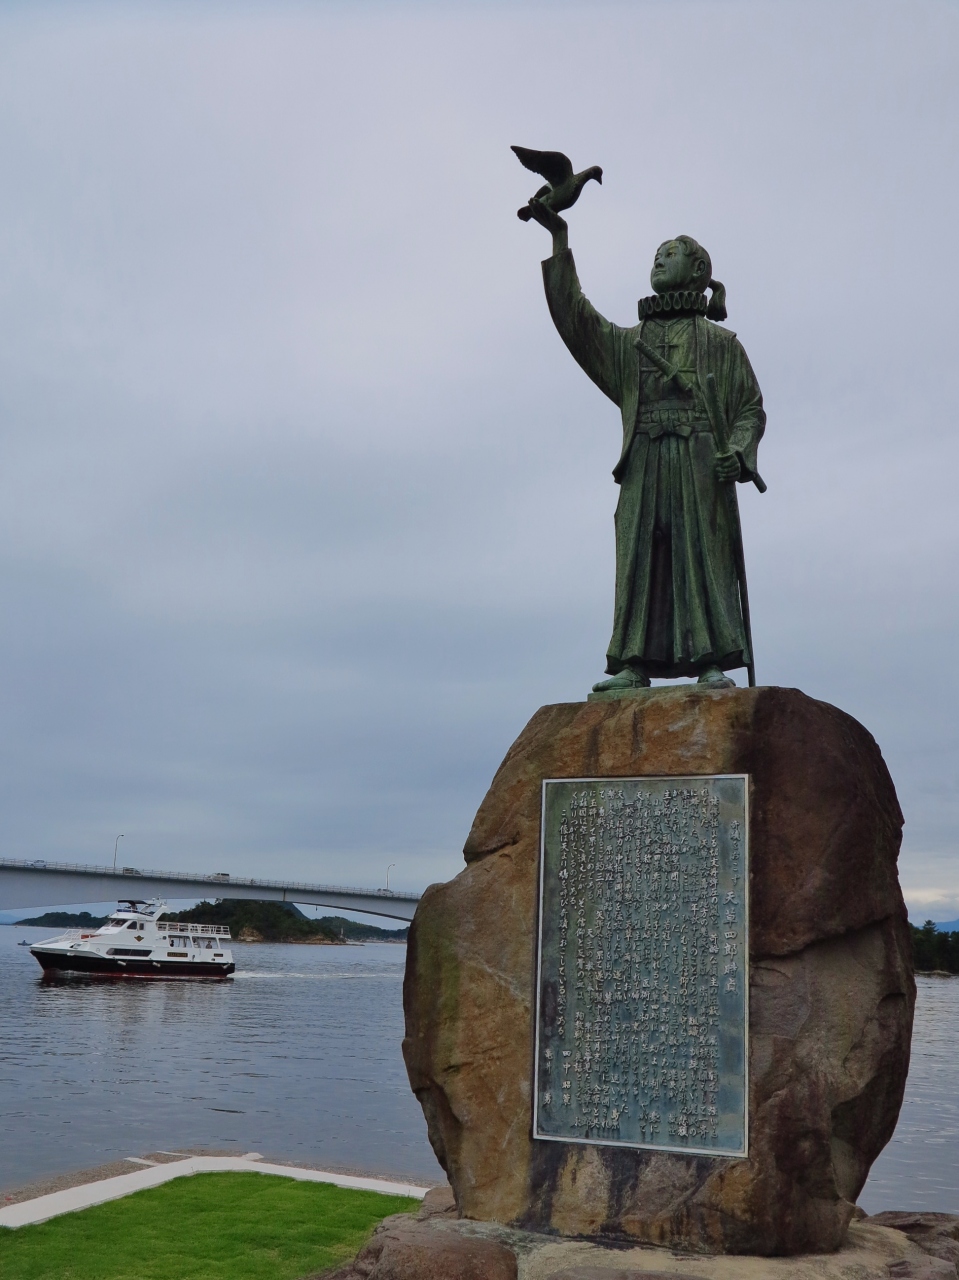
553	165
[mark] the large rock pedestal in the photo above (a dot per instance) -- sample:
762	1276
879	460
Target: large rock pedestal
831	986
435	1246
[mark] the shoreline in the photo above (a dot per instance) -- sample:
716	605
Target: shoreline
324	942
259	939
148	1174
251	936
38	1187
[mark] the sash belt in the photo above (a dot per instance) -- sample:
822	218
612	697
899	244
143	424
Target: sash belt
663	420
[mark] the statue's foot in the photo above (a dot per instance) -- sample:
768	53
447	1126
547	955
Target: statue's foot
713	678
625	679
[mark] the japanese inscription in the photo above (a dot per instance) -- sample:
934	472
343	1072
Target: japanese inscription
643	964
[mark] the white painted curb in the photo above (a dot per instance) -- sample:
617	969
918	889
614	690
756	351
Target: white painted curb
91	1193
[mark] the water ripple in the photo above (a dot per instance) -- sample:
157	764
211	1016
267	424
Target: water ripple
299	1058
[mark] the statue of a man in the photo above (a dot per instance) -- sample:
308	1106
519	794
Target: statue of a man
679	607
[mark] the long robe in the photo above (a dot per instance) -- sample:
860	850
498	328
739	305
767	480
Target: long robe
677	608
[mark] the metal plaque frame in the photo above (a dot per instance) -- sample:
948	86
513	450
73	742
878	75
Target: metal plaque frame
729	1045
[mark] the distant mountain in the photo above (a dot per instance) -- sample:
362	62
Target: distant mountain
248	922
948	926
283	922
64	920
258	921
354	932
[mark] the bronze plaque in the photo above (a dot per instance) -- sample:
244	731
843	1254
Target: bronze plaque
643	983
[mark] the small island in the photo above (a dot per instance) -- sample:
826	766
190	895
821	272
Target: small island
249	922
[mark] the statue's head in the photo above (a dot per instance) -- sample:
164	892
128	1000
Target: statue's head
682	264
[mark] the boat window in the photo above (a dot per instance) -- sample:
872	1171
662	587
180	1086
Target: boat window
132	924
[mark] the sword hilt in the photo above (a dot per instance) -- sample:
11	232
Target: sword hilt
664	367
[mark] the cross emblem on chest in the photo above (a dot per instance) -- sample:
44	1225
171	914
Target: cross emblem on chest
665	347
675	345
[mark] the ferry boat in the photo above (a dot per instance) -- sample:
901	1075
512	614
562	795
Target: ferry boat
136	943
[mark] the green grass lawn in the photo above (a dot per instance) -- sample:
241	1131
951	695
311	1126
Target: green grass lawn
211	1226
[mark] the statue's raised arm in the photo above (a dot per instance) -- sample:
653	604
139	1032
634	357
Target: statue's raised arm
595	343
692	418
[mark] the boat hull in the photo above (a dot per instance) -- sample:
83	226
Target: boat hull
59	964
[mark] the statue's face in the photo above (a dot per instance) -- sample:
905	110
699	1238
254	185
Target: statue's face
675	268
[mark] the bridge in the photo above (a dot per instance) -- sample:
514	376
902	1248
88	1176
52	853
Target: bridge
42	884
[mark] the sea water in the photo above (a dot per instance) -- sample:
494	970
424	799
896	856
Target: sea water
919	1169
299	1058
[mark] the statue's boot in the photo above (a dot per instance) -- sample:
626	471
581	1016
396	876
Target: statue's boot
628	678
713	678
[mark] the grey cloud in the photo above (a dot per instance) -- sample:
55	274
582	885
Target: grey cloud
303	507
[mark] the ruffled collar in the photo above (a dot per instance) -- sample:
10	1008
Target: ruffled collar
688	302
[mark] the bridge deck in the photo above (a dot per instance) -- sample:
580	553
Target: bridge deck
43	884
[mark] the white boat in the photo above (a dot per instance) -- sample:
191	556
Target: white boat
136	943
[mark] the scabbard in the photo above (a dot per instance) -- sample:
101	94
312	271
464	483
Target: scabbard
717	420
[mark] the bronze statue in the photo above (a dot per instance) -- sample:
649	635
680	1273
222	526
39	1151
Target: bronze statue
692	421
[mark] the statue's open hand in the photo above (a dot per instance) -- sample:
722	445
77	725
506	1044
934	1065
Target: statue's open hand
727	467
545	216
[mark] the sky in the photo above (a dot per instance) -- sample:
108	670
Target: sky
304	507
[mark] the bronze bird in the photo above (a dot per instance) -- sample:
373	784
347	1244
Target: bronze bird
562	185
